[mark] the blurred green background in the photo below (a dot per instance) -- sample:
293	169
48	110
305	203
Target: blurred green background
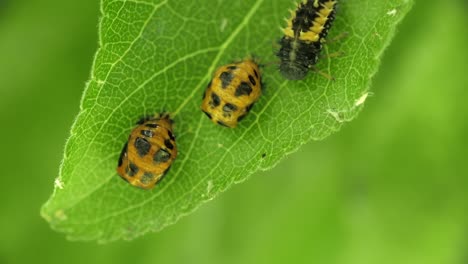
390	187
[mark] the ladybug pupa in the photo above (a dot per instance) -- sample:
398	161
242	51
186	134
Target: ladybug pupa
148	153
232	92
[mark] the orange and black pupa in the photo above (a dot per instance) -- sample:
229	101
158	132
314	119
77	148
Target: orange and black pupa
304	36
232	92
149	152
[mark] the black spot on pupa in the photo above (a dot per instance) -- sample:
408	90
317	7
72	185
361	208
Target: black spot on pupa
164	174
229	107
147	177
143	146
168	144
123	178
147	133
204	93
243	89
161	156
221	123
141	121
247	109
207	114
215	100
232	67
167	117
122	153
226	78
152	125
252	80
144	119
241	117
167	170
256	73
132	169
171	136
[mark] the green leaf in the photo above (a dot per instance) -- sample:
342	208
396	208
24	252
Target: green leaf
160	55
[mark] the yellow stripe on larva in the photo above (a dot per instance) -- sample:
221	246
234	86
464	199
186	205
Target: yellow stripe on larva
309	36
321	19
325	11
288	30
329	4
313	34
317	25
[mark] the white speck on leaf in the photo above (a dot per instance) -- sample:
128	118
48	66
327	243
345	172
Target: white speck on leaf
223	24
60	215
361	99
378	35
209	187
392	12
58	183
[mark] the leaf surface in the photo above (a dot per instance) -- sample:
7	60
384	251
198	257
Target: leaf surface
160	55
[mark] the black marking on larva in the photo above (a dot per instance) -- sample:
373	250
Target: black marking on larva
243	89
215	100
304	53
221	123
147	177
142	145
161	156
168	144
256	73
229	107
207	114
152	125
252	80
132	169
241	117
232	67
171	136
122	153
147	133
226	78
307	13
